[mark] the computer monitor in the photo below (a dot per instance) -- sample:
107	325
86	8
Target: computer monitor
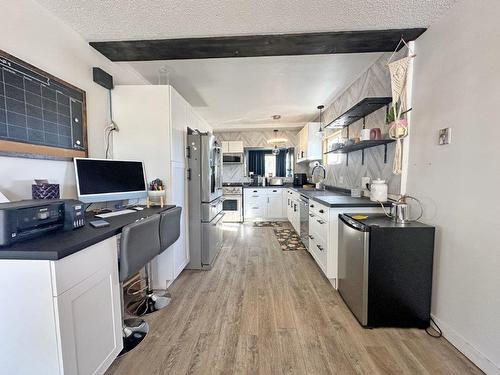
100	180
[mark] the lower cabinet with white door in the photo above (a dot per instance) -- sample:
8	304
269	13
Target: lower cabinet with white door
323	235
264	203
64	316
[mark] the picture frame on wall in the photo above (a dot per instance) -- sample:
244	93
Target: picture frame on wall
41	116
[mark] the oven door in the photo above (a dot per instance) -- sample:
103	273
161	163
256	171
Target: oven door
232	209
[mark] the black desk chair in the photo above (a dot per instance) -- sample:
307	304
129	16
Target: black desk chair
140	243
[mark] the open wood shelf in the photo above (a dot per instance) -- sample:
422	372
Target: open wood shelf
360	146
358	111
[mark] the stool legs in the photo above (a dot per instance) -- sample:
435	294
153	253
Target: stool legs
153	302
134	330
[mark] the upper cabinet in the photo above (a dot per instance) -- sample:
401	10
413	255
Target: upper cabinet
232	147
309	147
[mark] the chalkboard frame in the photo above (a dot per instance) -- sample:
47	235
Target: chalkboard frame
25	149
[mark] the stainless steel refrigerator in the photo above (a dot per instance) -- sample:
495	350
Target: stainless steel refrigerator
205	199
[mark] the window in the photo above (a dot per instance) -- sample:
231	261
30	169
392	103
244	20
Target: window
328	141
270	165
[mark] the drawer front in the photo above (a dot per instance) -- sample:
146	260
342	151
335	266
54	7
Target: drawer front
255	191
69	271
318	210
255	200
319	227
318	251
272	191
255	211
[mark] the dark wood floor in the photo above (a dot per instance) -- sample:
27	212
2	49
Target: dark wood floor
265	311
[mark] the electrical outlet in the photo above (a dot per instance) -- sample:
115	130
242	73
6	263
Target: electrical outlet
364	181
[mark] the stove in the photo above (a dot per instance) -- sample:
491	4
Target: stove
232	205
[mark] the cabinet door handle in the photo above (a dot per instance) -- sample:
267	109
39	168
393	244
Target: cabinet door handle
311	215
275	191
319	247
311	237
255	191
311	205
255	196
321	211
320	221
255	208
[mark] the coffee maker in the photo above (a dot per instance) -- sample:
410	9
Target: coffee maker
299	179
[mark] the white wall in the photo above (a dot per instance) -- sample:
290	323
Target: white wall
457	84
34	35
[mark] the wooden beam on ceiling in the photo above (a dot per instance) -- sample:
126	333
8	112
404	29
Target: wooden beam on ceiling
257	45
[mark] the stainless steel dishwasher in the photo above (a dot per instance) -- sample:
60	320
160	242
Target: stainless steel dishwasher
304	220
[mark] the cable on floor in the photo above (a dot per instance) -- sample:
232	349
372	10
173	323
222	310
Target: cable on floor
437	329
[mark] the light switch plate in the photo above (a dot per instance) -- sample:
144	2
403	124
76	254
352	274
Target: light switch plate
444	136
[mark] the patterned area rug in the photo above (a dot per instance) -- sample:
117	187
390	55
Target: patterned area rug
265	224
289	239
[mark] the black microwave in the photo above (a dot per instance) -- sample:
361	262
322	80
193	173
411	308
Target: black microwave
232	158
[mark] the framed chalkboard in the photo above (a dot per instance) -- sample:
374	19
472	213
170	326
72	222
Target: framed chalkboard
41	116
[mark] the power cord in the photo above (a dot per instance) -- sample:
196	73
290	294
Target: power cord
437	329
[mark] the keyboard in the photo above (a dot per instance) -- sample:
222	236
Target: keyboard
114	213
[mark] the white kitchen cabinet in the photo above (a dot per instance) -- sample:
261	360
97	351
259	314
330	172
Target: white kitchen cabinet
323	235
235	147
153	121
263	203
179	117
310	143
181	247
70	321
274	206
232	147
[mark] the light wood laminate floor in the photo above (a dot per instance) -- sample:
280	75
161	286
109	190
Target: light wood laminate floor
264	311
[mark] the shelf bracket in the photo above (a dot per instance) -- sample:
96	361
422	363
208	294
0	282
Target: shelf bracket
385	154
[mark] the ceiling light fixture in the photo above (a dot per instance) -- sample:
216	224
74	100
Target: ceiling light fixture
277	140
320	108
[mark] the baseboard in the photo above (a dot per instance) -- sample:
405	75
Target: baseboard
459	342
180	269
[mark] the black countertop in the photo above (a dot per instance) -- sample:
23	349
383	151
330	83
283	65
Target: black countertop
268	186
59	244
382	221
338	198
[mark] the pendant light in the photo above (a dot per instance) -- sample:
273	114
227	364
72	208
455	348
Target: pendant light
276	141
320	131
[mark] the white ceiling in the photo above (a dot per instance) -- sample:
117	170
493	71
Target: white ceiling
99	20
245	92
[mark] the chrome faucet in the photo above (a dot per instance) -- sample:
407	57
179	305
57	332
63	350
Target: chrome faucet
318	165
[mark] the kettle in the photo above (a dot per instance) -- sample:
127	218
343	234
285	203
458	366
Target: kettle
400	210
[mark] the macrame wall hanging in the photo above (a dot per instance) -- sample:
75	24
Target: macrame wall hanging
398	127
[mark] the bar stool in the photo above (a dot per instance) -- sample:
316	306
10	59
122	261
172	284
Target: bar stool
140	242
169	232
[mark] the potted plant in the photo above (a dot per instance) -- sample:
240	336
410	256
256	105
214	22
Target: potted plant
156	193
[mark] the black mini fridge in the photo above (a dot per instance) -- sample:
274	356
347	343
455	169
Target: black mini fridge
385	270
